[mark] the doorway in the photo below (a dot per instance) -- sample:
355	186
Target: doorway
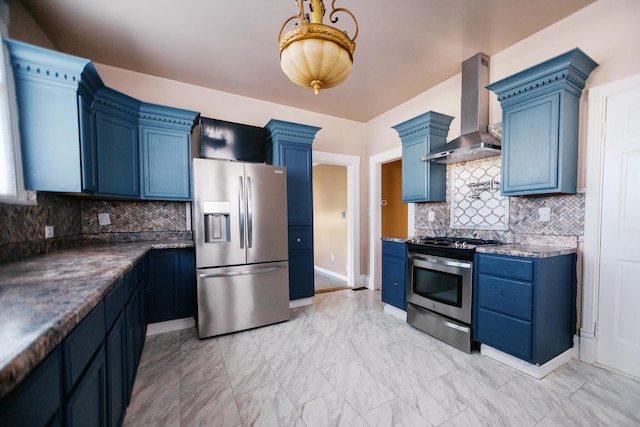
375	214
609	334
330	231
348	169
394	213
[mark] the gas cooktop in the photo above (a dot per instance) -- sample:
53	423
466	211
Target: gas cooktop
451	247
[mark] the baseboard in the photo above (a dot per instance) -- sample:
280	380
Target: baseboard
395	312
587	346
170	326
536	371
330	273
300	302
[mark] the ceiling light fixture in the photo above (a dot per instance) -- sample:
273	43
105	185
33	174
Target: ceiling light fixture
315	55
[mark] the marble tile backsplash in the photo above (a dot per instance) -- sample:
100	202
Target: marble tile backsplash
459	217
75	221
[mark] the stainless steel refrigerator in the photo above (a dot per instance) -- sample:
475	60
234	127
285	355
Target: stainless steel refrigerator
240	233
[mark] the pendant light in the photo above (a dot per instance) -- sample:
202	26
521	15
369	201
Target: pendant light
315	55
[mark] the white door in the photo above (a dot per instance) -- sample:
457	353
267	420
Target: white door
618	338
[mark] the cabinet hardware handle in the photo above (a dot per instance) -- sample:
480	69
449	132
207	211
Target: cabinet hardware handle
298	239
395	282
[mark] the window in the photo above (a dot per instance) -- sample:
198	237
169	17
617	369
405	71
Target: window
11	181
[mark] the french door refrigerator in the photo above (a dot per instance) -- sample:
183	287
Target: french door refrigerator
241	241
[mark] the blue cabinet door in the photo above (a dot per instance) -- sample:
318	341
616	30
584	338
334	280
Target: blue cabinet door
421	181
301	274
166	157
164	285
394	274
118	161
37	399
394	281
116	364
297	159
530	158
171	285
87	405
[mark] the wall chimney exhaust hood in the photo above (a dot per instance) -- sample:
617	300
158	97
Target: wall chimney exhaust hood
475	142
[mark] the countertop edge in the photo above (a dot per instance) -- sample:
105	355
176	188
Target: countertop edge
528	251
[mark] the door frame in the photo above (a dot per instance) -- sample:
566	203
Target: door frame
375	214
352	164
597	106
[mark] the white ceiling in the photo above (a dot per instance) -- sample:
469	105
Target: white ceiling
403	48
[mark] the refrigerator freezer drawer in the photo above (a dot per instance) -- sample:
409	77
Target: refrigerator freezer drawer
232	299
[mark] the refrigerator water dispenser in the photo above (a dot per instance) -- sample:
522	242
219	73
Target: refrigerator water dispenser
216	221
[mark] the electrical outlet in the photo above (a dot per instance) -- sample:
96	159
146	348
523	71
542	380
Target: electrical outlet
48	232
104	219
431	216
544	214
333	258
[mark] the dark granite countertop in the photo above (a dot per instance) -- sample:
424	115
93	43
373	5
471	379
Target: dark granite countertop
530	251
43	298
395	239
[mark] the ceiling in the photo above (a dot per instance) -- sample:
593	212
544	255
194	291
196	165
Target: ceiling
232	46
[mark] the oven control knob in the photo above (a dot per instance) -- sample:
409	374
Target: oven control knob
456	244
465	245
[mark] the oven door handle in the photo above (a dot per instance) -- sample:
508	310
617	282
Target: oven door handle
458	327
442	261
456	264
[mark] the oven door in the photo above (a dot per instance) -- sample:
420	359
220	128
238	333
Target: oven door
442	285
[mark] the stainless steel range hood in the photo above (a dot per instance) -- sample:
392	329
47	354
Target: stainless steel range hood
475	142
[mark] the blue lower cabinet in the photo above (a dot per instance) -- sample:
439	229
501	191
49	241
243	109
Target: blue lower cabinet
87	404
394	274
525	307
38	399
171	285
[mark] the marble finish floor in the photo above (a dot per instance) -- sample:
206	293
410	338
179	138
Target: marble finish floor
343	362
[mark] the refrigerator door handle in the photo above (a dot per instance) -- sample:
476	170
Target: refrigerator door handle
241	273
241	208
249	214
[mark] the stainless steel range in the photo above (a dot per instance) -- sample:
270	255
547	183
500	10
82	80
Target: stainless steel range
440	287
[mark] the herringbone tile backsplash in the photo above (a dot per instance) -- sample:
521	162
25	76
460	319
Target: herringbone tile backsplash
75	221
133	216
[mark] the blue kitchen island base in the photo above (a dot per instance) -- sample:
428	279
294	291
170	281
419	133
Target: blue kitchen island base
536	371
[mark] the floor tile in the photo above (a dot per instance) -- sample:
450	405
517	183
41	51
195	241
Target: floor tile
344	362
268	406
360	389
394	414
330	411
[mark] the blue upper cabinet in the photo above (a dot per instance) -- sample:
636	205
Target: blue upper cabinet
540	115
165	151
116	116
54	93
423	181
78	135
